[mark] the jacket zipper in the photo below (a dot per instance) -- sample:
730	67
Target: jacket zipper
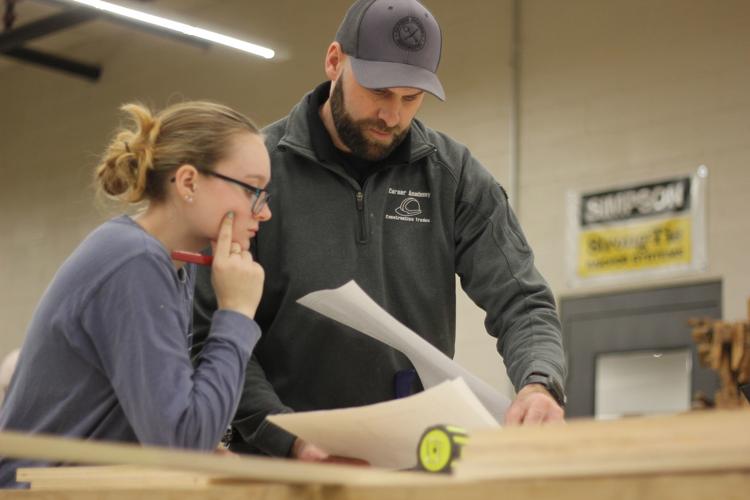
360	199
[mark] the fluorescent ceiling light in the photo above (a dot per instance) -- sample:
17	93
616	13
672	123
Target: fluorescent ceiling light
186	29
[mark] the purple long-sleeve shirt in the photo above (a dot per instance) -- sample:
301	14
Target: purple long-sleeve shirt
106	354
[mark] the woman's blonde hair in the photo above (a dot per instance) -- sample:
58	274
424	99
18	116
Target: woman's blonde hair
141	158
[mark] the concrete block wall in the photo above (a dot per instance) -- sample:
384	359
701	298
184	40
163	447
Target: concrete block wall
612	92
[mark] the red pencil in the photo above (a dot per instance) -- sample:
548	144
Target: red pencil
195	258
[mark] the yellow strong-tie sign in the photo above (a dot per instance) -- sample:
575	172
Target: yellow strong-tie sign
633	247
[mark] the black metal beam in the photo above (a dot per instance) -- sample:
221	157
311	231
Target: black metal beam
12	41
79	69
17	37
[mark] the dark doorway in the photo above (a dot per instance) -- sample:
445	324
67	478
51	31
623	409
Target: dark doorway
649	319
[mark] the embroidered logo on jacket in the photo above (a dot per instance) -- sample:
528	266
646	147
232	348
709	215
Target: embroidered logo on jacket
408	207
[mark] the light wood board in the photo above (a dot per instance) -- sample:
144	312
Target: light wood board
698	441
701	455
66	450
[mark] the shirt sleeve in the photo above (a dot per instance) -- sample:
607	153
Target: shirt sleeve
137	322
496	268
258	398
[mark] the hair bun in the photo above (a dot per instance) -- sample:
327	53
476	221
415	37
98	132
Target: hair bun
123	171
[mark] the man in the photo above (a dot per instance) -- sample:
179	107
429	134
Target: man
365	191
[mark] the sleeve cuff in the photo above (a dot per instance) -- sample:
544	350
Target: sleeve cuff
267	438
236	327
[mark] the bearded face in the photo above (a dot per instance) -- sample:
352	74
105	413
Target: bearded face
382	139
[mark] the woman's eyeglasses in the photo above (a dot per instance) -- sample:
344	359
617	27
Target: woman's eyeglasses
258	196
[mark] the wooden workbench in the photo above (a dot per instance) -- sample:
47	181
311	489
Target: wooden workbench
701	455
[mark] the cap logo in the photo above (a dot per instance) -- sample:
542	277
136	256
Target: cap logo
409	34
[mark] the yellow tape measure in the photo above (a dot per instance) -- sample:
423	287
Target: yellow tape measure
439	446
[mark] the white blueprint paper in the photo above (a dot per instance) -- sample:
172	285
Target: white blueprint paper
350	305
386	434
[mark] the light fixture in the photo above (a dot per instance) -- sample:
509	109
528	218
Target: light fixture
168	24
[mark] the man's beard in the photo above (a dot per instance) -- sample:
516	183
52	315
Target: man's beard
351	132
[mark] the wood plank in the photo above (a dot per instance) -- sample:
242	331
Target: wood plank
697	456
739	338
699	441
717	346
114	477
694	486
67	450
702	486
244	491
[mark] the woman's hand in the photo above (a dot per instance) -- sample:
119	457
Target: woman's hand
236	277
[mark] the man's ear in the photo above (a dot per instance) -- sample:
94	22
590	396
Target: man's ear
334	63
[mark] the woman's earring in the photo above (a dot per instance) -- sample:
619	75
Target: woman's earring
188	198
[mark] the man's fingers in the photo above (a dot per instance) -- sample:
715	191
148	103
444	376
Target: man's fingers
514	416
224	241
534	415
556	414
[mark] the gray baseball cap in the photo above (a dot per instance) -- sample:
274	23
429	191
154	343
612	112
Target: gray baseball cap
392	43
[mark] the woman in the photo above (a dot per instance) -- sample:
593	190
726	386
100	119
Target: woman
106	354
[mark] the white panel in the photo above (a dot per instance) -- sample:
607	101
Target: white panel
642	383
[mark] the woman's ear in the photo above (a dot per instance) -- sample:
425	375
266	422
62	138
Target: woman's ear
186	181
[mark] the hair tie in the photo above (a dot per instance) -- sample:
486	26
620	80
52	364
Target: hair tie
127	147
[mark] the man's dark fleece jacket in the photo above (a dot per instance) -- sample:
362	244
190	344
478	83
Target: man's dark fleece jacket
402	228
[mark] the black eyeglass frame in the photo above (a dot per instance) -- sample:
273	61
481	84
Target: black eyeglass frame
259	202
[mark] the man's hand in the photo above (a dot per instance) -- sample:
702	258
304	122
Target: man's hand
533	405
308	452
224	452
